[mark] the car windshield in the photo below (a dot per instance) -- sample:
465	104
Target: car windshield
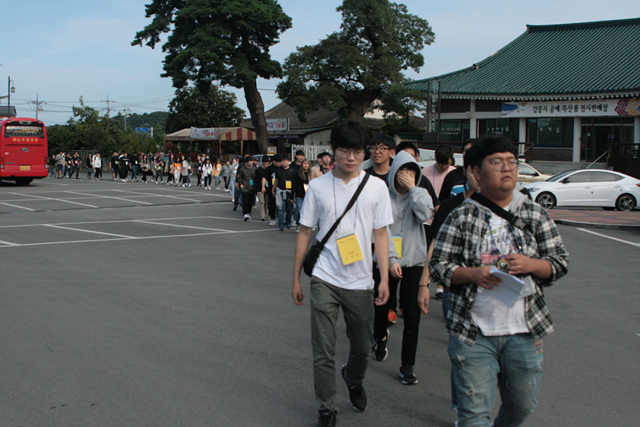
525	169
560	176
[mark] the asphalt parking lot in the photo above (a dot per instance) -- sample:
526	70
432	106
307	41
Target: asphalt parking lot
141	304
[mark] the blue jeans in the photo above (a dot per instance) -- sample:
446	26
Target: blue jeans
299	203
512	363
284	211
445	312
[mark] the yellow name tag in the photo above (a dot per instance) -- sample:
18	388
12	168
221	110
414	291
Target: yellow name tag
287	185
349	248
397	245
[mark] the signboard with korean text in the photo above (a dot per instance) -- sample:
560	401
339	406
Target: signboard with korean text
277	125
580	108
205	133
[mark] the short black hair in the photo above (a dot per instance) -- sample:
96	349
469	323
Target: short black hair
444	153
277	158
469	155
299	153
384	139
407	144
487	146
349	134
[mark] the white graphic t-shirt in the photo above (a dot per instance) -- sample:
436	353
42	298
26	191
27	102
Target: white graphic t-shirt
492	316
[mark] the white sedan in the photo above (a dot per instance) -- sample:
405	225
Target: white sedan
587	187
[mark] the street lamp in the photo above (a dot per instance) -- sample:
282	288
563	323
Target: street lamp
10	89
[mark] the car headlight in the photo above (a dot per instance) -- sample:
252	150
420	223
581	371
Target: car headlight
532	189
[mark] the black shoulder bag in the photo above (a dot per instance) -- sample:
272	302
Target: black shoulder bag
513	219
314	251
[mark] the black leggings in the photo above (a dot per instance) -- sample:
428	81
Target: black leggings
409	287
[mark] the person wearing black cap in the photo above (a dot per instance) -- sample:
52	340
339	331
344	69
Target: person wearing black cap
276	162
295	167
283	192
297	163
324	161
247	184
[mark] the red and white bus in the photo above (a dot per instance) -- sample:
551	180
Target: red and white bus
23	150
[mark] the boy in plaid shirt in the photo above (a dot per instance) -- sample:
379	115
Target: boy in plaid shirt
493	345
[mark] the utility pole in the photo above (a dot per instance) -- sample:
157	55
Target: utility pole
125	114
108	106
38	105
10	89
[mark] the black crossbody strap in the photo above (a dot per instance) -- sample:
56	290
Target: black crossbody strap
326	237
513	219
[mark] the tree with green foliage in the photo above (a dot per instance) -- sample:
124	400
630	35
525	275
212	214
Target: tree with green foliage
156	120
225	40
215	108
398	102
87	130
350	69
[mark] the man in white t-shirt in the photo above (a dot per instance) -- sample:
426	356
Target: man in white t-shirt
339	280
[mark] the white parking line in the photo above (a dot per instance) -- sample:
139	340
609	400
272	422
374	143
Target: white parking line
19	207
7	243
58	200
89	231
177	225
108	197
182	218
18	245
164	195
609	237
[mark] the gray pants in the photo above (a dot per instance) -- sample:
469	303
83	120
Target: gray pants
357	307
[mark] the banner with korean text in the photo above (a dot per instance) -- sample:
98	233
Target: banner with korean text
580	108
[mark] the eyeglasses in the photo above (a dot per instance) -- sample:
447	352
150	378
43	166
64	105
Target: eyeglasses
379	149
347	152
500	165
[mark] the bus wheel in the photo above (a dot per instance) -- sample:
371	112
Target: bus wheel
23	181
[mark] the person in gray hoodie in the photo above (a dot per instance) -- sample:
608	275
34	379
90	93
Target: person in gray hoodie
411	206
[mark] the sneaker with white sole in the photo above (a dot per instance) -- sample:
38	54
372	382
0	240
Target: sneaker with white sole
407	376
380	351
247	217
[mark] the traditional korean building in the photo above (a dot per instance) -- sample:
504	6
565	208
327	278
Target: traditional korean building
566	92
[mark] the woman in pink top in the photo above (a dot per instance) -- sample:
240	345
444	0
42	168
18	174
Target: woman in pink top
444	164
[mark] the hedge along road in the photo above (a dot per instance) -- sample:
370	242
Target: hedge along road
175	311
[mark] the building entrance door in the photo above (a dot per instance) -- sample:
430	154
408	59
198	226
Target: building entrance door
596	140
600	133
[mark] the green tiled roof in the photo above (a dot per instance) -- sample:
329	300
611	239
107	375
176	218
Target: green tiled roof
554	62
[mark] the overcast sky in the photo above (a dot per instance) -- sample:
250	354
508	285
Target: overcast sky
59	51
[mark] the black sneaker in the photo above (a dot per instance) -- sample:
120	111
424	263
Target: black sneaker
380	351
407	376
357	396
326	418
